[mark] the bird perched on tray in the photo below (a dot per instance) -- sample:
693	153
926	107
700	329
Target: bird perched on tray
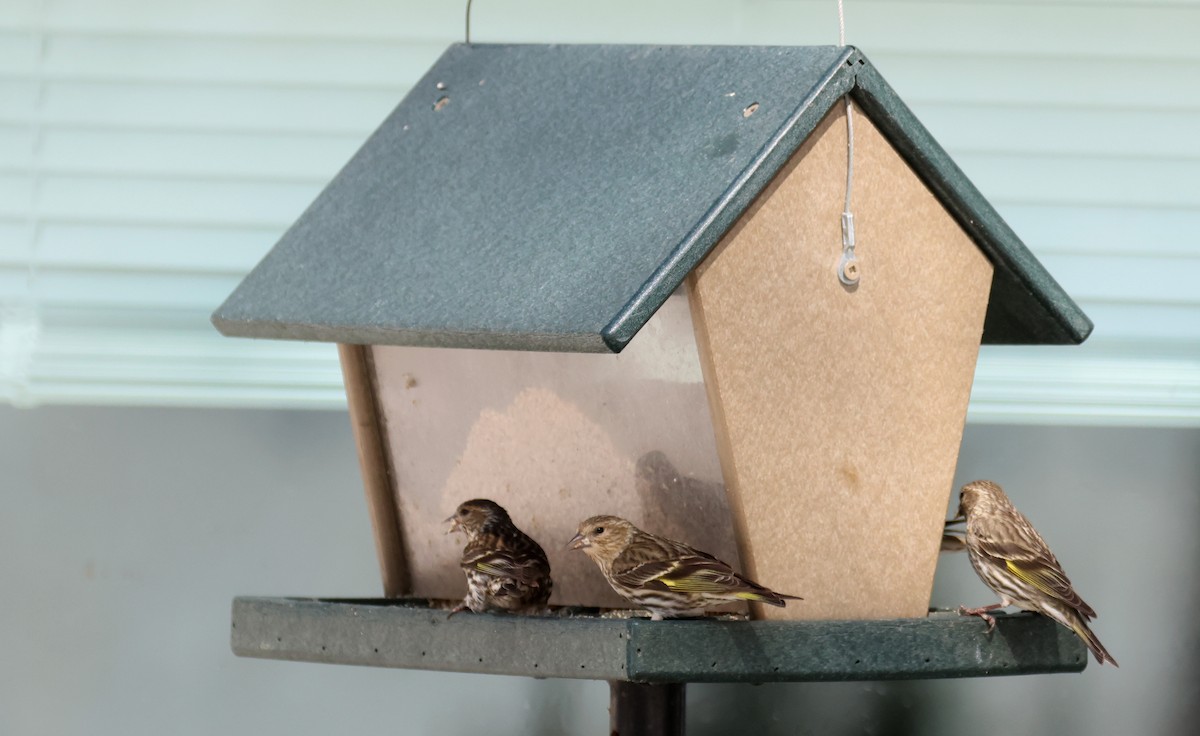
666	577
1013	560
505	569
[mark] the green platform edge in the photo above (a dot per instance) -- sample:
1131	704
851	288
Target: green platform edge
408	634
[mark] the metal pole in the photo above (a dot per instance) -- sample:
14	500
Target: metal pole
636	709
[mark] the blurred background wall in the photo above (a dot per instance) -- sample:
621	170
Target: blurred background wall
126	532
150	470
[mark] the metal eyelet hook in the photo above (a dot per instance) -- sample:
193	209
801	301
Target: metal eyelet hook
848	269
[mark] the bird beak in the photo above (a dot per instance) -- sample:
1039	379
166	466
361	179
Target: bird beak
578	542
453	522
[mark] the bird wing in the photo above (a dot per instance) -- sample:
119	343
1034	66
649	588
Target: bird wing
1026	555
503	563
1050	579
688	574
649	556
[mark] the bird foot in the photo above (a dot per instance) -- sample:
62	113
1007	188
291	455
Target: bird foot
457	609
981	612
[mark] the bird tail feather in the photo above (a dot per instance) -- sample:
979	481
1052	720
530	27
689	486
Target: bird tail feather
769	597
1080	627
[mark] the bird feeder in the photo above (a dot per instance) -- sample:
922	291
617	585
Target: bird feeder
605	279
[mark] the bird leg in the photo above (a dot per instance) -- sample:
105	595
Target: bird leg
457	609
982	612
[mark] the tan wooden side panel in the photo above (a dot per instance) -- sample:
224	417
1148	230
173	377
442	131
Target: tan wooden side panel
839	412
369	437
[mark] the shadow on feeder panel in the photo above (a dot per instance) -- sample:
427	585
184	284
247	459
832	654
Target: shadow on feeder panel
666	496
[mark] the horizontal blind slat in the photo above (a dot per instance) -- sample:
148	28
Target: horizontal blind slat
151	153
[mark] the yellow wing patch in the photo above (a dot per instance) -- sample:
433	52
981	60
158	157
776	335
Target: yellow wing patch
751	596
700	581
1037	578
693	584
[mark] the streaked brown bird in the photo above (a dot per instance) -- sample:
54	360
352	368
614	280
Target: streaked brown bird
666	577
1014	561
505	569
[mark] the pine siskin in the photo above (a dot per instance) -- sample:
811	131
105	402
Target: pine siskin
505	569
1013	560
667	578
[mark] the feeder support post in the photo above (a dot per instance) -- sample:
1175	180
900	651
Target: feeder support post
639	709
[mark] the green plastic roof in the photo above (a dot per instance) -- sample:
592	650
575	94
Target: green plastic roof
551	197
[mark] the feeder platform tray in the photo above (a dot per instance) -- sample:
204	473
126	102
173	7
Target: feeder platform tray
580	644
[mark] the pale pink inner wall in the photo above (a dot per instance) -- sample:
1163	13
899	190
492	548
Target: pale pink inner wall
554	438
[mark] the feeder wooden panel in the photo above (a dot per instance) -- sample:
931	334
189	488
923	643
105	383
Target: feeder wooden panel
840	410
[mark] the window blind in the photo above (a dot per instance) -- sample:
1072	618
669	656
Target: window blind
151	153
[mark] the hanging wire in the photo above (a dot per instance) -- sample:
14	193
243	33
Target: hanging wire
848	268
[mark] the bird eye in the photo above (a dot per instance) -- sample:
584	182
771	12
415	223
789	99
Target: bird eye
462	512
598	530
